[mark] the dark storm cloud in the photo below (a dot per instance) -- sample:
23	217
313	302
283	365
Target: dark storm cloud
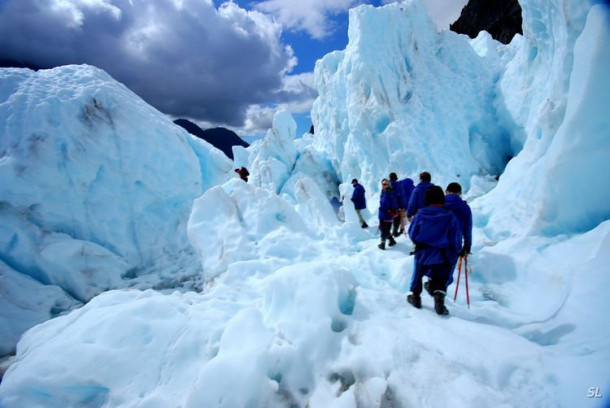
185	57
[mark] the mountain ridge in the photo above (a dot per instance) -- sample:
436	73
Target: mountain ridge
221	138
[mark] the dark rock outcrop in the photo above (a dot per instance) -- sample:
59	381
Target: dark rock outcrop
9	63
221	138
500	18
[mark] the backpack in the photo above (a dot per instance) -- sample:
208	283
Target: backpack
394	210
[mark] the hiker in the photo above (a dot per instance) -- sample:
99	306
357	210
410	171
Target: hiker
416	201
463	214
437	237
359	200
243	173
407	189
387	211
398	223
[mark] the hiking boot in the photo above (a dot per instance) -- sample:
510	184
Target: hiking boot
382	245
428	288
415	300
392	242
365	225
439	303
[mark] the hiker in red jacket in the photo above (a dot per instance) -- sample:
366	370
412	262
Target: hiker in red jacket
243	173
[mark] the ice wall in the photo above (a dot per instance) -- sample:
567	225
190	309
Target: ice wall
238	222
96	187
290	167
556	87
296	315
402	97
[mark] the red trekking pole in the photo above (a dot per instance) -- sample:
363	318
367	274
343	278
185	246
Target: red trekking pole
457	284
466	276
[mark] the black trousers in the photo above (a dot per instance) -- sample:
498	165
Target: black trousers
396	223
385	227
439	274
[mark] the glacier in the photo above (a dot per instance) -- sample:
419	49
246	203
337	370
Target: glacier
96	188
138	271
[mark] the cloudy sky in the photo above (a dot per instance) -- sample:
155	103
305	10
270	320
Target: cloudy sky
217	63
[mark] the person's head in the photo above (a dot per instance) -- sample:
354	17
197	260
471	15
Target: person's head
425	176
385	184
354	182
434	196
393	177
454	188
236	170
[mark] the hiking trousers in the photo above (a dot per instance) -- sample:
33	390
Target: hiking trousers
438	273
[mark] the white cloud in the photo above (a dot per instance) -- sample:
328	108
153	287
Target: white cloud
224	66
184	57
316	16
259	119
444	12
311	16
297	96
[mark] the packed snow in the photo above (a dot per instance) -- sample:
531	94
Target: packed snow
150	275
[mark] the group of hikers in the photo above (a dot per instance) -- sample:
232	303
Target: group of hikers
440	226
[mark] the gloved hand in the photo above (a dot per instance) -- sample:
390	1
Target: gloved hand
465	251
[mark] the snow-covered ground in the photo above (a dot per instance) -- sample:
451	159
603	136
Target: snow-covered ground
233	294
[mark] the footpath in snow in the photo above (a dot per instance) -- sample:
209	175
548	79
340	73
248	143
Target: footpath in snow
320	319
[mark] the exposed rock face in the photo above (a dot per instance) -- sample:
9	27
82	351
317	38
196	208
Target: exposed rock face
500	18
221	138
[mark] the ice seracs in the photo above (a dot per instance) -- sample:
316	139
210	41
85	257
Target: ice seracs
299	309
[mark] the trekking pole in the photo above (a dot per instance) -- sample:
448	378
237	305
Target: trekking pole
457	284
466	276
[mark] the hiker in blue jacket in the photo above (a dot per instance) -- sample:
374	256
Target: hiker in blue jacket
398	222
387	211
407	189
438	240
463	213
359	200
416	200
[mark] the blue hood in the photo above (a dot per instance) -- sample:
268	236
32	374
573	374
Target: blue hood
462	212
437	235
